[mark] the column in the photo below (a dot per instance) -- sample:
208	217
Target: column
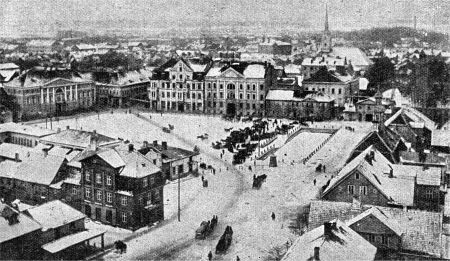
76	92
48	96
71	94
42	96
54	95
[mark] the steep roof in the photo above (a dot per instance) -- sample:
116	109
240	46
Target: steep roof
24	226
322	75
412	117
376	212
54	214
343	244
398	190
40	169
422	230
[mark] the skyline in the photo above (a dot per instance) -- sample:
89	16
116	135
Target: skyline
46	17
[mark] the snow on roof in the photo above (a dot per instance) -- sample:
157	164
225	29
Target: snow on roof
413	115
363	83
292	69
398	189
255	71
24	226
54	214
9	66
8	168
78	139
354	55
214	72
280	95
70	240
349	107
440	137
24	129
374	211
41	43
111	157
320	97
40	169
9	150
125	193
343	244
7	75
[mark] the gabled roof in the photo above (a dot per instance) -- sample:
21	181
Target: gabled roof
39	169
24	226
411	115
343	244
54	214
422	230
377	213
397	190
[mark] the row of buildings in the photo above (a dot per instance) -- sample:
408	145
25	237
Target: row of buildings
102	177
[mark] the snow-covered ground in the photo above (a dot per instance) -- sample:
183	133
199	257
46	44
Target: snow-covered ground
229	194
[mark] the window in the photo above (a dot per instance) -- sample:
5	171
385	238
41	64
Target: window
108	180
221	86
87	175
332	91
109	216
74	191
140	200
156	195
351	189
109	197
261	87
221	95
152	180
356	175
145	182
254	87
99	195
261	97
429	194
98	178
199	96
124	217
162	94
254	97
87	193
220	104
363	190
241	86
339	91
124	201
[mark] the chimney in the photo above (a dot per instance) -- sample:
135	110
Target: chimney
164	145
372	154
45	153
316	253
94	132
155	143
368	158
67	127
16	157
58	130
391	173
328	228
130	147
145	144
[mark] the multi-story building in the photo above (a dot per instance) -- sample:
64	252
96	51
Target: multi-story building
42	46
237	88
121	187
337	85
178	85
37	96
25	135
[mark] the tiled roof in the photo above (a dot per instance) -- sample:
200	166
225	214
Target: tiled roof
398	189
421	230
54	214
322	75
24	226
343	244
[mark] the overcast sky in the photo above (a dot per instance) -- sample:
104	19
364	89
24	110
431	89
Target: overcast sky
19	17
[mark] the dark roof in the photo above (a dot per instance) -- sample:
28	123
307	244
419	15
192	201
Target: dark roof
322	75
170	154
160	73
238	67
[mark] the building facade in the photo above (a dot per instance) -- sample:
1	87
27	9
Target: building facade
54	97
122	188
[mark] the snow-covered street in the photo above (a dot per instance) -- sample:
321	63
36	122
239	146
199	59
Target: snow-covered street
230	195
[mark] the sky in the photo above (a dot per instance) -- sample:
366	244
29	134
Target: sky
45	17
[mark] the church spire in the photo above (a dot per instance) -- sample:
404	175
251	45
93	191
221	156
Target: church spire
326	18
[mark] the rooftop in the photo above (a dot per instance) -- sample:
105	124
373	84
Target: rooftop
24	225
78	139
342	244
421	230
32	170
398	189
54	214
24	129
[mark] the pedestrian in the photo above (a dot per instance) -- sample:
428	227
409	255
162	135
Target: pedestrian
250	168
210	256
237	258
227	168
203	178
214	171
324	169
273	216
221	156
314	182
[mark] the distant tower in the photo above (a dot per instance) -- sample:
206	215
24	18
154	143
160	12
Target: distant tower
325	46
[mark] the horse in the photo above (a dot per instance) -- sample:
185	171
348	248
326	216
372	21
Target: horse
121	246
